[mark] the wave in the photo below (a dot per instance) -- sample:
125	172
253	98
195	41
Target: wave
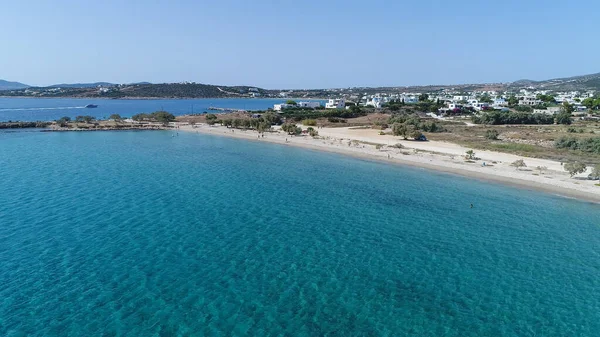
55	108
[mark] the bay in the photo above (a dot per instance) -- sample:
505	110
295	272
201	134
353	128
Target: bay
146	234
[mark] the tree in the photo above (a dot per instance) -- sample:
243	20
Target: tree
575	168
211	119
291	102
512	101
567	108
400	129
84	119
116	117
563	118
592	103
518	164
423	98
291	129
546	98
492	134
595	172
485	98
415	134
140	117
470	155
63	121
163	117
271	118
541	169
263	126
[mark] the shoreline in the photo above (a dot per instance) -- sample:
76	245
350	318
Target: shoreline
439	162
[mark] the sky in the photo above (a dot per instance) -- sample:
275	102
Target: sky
281	44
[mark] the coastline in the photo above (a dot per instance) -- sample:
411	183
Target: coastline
552	182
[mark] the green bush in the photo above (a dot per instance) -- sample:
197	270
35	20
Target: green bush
492	134
309	122
591	145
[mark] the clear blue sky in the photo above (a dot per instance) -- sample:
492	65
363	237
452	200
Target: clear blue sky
297	44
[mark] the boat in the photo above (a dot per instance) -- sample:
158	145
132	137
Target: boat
91	106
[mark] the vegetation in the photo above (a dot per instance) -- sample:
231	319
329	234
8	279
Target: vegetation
492	134
523	108
590	145
592	103
63	121
312	132
470	155
309	122
500	118
546	98
115	117
158	116
575	168
518	164
564	118
541	169
211	119
291	129
291	102
595	172
299	114
84	119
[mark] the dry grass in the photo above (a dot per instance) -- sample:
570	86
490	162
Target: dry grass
525	140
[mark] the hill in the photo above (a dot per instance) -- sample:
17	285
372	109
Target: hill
165	90
582	82
6	85
82	85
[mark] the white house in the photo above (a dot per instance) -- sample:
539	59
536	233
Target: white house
410	99
529	100
282	106
480	106
338	103
375	102
498	102
308	104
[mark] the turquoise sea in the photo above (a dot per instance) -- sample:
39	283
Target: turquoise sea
146	234
49	109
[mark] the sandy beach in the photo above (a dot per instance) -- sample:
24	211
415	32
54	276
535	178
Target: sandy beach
440	156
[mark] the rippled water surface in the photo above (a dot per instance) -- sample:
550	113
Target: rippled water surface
145	234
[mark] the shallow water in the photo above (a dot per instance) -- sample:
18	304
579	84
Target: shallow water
145	234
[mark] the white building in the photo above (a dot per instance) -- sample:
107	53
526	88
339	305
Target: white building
480	106
410	99
282	106
375	102
309	104
499	102
528	100
338	103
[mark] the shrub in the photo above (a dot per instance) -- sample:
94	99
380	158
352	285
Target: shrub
563	118
591	145
575	168
492	134
309	122
518	164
